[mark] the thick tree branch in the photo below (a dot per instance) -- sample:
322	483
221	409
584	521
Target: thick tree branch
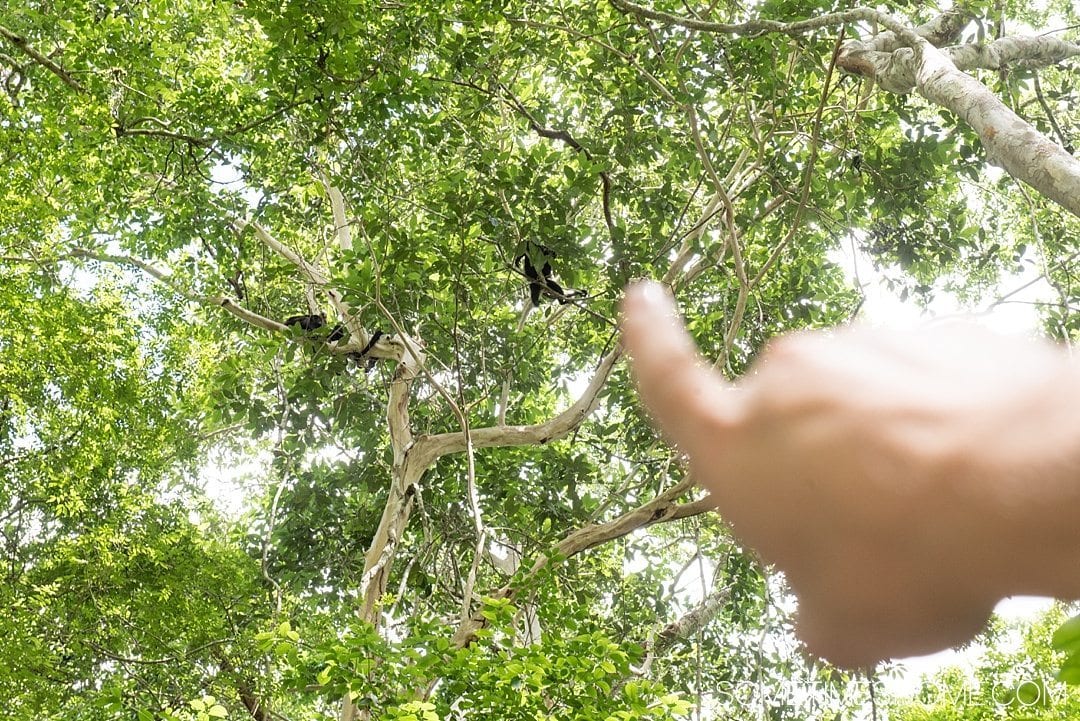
1010	141
895	70
759	26
22	44
1024	51
689	624
249	317
342	229
943	29
428	449
310	272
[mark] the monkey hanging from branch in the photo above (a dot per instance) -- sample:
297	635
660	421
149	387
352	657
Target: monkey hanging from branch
535	265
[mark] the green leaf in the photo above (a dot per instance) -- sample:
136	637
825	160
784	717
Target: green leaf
1067	635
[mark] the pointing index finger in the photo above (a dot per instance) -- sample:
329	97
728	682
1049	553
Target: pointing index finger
685	396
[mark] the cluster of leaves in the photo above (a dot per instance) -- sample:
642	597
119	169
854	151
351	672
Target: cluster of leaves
1066	639
579	677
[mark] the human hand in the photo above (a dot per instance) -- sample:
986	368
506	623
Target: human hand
903	481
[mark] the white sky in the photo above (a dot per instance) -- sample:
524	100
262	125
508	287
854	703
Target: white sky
882	307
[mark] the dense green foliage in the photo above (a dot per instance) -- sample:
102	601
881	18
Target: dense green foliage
144	147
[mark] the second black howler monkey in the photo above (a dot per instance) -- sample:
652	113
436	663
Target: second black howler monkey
309	323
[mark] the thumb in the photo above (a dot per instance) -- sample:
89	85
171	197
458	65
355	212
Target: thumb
681	392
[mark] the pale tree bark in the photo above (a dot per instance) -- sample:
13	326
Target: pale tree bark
687	625
413	458
1010	141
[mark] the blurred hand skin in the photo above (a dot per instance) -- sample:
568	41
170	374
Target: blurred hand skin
904	481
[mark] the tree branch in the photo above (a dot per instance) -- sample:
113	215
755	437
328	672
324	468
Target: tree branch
121	131
428	449
342	230
22	44
690	623
566	137
760	27
1010	141
661	509
1019	50
163	277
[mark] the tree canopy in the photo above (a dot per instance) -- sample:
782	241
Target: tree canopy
297	243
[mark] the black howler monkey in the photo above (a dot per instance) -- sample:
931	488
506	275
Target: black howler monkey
541	283
359	357
307	322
